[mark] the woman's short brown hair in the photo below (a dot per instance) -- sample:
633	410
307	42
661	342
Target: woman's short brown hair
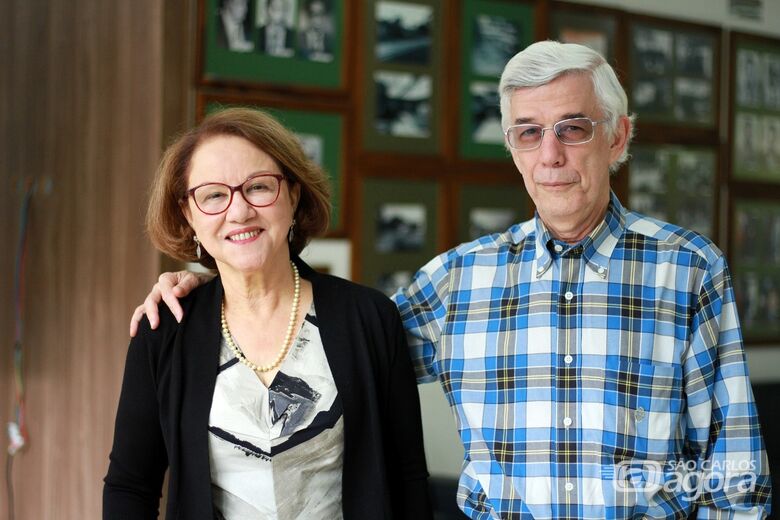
165	222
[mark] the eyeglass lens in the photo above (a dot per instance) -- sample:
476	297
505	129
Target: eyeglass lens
568	131
216	197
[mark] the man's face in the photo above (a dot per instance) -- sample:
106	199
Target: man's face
569	184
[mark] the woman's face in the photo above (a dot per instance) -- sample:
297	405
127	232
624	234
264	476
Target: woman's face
244	238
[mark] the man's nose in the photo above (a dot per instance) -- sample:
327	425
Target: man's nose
551	150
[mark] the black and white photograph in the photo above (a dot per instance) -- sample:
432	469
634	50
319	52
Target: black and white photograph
496	40
389	283
653	95
694	55
772	81
403	32
774	239
486	221
653	51
313	146
403	104
695	214
695	176
693	102
486	113
596	40
647	183
747	295
234	25
695	173
772	144
749	78
276	28
400	227
749	231
316	30
749	142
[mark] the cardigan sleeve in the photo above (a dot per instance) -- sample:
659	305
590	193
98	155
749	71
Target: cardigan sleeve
138	457
411	498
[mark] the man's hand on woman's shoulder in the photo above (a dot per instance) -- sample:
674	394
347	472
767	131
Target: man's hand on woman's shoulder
169	288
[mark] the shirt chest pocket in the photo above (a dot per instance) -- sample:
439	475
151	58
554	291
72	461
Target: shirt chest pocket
643	409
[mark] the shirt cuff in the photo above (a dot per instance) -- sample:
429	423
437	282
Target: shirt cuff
711	513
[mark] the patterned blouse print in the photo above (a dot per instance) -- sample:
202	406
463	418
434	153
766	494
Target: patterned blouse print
277	452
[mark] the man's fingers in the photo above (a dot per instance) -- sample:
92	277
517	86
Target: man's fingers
187	282
150	306
168	289
138	313
172	302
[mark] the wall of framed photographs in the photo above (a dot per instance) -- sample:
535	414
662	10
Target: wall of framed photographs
394	95
754	182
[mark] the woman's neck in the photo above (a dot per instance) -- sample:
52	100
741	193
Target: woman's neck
259	292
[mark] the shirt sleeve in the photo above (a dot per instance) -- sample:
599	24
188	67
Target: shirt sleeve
423	307
723	432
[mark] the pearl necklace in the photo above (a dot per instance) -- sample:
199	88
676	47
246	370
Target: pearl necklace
287	338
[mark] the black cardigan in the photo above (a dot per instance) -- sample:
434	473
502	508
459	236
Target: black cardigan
169	381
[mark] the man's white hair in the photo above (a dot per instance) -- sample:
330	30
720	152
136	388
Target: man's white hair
542	62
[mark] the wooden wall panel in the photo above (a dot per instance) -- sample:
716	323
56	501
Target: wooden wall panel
81	109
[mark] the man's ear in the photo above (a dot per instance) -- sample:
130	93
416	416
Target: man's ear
620	139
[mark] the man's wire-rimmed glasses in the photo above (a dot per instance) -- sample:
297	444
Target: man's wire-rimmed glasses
260	190
528	136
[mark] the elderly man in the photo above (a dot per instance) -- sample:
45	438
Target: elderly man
592	356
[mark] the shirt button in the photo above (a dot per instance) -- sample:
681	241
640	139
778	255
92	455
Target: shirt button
568	359
602	270
569	295
567	421
558	248
569	486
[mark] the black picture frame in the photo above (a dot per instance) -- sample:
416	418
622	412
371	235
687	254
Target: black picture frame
402	75
400	229
755	265
755	109
675	71
676	184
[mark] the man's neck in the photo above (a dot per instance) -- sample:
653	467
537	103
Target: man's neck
574	230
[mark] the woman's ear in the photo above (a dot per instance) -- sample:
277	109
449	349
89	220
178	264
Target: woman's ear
184	205
295	195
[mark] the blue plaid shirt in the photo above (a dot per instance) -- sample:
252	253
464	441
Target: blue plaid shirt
601	380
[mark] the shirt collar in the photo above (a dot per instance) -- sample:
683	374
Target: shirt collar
597	247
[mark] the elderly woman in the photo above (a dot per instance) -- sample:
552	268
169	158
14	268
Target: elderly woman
283	393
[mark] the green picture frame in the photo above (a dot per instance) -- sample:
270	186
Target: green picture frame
755	266
489	208
269	52
755	115
674	73
322	137
402	74
493	31
400	230
676	184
